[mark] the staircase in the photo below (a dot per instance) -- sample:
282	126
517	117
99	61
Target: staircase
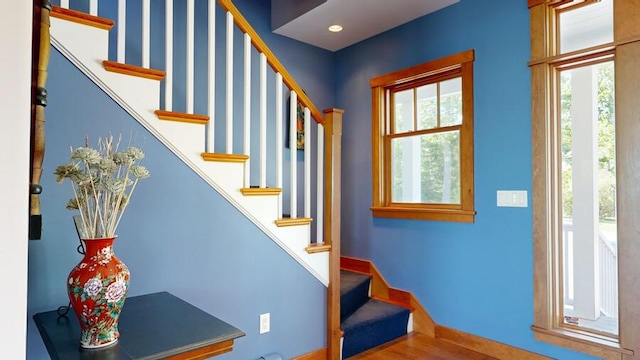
260	181
365	321
238	153
373	313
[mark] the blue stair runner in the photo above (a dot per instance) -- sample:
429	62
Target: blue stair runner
366	322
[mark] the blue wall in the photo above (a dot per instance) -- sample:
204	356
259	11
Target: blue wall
473	277
178	234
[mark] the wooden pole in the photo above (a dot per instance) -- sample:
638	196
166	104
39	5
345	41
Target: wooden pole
333	156
37	132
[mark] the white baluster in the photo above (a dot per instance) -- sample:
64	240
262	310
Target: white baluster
612	284
320	186
229	90
146	35
293	115
168	44
190	51
122	30
608	278
247	108
211	85
307	162
64	4
279	143
93	7
602	275
263	120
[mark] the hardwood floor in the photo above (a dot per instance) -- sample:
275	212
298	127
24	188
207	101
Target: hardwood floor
416	346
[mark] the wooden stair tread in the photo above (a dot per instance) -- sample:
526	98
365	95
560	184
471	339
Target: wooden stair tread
257	191
419	346
318	248
182	117
293	222
81	18
394	302
235	158
133	70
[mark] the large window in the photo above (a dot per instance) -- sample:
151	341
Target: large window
423	141
586	200
588	197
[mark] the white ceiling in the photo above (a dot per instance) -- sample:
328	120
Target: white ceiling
361	19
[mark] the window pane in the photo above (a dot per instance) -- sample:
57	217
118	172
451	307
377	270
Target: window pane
586	26
451	102
426	168
403	115
589	231
427	106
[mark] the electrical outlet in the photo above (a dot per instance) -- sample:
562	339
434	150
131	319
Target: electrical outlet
265	323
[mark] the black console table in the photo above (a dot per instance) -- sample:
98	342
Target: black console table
153	326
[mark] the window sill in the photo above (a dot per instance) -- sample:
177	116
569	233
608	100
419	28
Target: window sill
413	213
593	345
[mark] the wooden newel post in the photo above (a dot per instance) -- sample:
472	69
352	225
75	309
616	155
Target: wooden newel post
332	183
37	130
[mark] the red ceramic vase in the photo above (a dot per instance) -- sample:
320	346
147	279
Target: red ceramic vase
97	289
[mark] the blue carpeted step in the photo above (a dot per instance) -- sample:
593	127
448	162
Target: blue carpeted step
373	324
354	292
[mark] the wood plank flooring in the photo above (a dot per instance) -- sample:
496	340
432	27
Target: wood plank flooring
416	346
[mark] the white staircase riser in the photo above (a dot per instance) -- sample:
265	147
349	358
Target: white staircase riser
265	207
82	35
186	138
233	175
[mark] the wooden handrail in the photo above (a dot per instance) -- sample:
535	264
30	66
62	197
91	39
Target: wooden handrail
272	60
332	181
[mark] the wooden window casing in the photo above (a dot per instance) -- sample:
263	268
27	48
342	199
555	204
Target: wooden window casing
545	63
458	65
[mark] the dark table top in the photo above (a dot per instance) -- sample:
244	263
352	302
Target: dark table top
153	326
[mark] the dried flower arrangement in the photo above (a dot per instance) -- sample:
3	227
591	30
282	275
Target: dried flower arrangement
103	181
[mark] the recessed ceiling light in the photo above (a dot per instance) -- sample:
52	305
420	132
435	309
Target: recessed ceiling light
335	28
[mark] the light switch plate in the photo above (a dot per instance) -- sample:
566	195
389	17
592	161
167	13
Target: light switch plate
512	198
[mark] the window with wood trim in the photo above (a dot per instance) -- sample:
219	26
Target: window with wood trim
422	132
585	68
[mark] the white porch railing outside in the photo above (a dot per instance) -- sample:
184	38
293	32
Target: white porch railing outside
608	278
607	269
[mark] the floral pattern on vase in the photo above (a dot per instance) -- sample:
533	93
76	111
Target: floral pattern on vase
97	289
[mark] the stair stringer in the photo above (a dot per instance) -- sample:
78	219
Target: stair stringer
86	47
